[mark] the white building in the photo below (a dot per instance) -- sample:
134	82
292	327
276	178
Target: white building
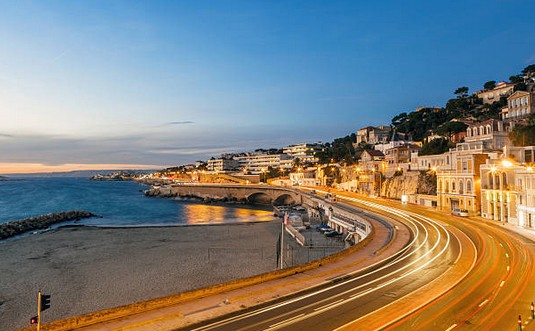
304	152
222	165
257	163
525	179
493	133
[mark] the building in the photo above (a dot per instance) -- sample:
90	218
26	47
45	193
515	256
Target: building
430	162
498	192
502	89
257	163
493	133
519	106
400	156
222	165
458	187
304	152
525	180
373	135
304	177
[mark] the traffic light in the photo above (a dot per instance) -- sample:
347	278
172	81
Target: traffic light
33	320
45	301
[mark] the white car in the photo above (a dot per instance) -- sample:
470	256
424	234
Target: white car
459	212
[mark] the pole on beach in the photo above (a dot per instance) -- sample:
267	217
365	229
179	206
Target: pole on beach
282	244
39	311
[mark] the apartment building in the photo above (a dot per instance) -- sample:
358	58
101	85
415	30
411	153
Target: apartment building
498	192
519	106
502	89
525	181
493	133
374	135
257	163
400	156
222	165
304	152
458	187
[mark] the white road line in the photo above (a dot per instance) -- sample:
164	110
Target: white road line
360	293
286	321
451	327
503	282
506	255
508	267
329	305
483	303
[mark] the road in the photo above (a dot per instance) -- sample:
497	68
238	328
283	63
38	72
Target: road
454	274
430	255
420	290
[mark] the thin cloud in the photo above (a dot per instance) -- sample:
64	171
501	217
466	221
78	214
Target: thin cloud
4	135
180	122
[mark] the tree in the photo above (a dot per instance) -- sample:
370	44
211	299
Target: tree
529	70
489	85
524	135
450	128
461	92
435	146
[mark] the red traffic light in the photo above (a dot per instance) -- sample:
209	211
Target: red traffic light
33	320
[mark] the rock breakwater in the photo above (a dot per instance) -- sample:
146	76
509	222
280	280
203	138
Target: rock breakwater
14	228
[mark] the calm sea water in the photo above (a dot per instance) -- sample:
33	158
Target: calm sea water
120	203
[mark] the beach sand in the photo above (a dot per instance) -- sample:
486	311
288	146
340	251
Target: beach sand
86	269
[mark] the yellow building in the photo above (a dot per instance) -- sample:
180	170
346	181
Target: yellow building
498	192
459	186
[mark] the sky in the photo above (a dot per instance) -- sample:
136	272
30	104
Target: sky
148	84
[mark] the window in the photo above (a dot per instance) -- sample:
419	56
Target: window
468	186
453	186
461	187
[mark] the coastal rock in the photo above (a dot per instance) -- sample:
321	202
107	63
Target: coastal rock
13	228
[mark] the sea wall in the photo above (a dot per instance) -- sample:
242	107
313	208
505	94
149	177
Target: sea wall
14	228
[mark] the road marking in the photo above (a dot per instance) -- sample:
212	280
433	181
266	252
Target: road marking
451	327
362	293
503	282
508	267
490	237
286	321
501	245
483	303
506	255
329	305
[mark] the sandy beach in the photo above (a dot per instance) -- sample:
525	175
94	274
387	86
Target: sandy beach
87	269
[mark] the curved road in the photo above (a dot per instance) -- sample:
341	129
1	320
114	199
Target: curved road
430	254
454	274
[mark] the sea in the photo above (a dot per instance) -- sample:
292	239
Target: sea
120	203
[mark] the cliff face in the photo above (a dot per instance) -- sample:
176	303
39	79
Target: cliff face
409	183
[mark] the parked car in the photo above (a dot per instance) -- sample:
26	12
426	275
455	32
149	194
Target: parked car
333	234
459	212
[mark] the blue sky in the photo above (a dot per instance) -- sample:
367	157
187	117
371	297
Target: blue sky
170	82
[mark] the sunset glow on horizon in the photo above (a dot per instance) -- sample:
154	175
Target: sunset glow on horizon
36	168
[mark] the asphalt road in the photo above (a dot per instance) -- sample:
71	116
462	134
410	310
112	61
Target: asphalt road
454	274
428	256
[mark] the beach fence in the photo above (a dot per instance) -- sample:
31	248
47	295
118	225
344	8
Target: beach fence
252	254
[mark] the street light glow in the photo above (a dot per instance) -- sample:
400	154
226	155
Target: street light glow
507	163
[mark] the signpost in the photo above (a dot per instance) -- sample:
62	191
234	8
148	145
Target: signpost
43	303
